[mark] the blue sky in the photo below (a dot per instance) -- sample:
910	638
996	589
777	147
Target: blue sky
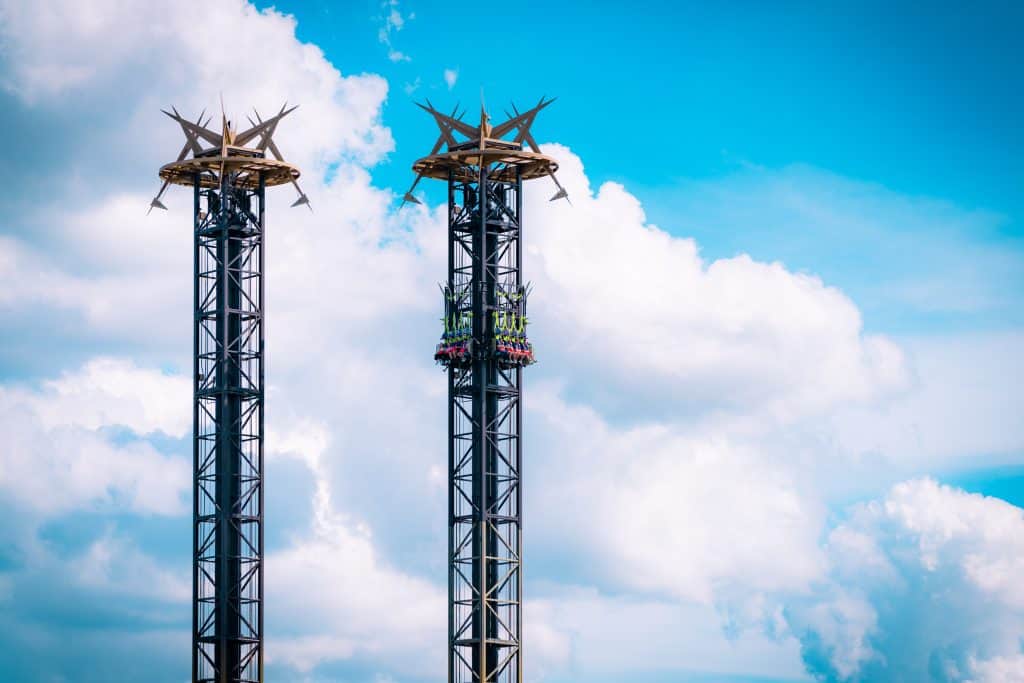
922	102
774	434
925	103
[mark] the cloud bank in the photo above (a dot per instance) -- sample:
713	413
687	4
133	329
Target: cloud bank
921	586
685	427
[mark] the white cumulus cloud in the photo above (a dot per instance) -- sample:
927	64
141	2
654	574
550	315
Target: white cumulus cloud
670	458
733	335
59	453
922	586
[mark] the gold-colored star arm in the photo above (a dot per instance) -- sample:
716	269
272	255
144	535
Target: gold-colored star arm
190	144
195	131
264	129
521	121
449	123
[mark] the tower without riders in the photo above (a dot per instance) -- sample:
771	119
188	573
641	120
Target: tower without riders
228	172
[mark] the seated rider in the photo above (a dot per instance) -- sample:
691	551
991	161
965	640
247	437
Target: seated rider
442	347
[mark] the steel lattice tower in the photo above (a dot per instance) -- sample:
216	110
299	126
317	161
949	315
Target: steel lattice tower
484	349
229	181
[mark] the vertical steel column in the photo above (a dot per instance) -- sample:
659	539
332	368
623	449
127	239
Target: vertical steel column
197	222
228	442
484	432
261	218
481	376
517	416
453	450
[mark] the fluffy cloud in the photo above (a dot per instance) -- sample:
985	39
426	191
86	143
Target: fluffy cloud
91	254
667	457
1009	669
117	567
732	335
131	60
696	517
964	404
61	452
579	633
126	278
338	597
922	586
108	392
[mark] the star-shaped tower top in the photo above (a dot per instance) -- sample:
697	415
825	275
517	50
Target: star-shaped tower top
485	144
244	153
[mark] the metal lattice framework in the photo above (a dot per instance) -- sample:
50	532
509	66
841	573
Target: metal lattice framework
229	184
228	418
485	450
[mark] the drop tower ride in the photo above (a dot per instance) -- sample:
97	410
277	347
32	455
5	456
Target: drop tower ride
484	348
228	173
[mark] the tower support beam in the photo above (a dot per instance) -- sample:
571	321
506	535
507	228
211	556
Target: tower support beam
485	452
229	181
228	442
484	347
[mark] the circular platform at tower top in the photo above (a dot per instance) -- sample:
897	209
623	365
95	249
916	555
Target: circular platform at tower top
248	164
464	160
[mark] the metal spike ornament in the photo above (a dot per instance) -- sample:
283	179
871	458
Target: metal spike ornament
484	349
228	172
481	137
229	151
